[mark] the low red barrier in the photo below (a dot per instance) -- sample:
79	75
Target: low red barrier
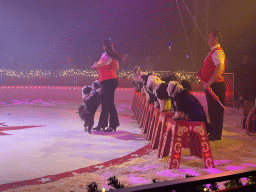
58	81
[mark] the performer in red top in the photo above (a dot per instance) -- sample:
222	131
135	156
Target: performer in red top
107	68
212	76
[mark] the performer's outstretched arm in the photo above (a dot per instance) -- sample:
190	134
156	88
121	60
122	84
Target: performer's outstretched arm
104	60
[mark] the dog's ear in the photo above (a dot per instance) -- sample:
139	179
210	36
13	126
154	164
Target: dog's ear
87	89
144	77
96	84
177	89
168	89
173	88
149	84
186	84
136	70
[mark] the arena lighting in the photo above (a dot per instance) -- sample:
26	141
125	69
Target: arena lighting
57	87
126	74
198	93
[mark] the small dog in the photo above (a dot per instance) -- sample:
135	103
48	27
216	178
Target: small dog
150	97
185	104
137	82
158	87
91	97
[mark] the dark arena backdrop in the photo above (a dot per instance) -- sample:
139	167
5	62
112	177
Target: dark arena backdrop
47	48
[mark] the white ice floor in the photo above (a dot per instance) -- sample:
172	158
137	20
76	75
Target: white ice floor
61	144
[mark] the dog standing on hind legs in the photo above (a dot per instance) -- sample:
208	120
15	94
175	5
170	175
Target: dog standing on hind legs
91	97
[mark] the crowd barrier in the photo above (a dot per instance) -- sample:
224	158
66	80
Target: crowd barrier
124	81
57	81
62	93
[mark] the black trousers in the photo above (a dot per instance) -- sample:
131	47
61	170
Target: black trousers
215	110
108	108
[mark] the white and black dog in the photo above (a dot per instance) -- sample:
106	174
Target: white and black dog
156	90
137	82
150	97
186	104
91	97
159	89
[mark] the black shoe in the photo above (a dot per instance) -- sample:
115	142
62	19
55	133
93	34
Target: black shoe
212	138
90	129
110	129
99	128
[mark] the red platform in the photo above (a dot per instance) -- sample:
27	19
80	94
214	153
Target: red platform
198	141
147	118
160	129
153	123
134	101
141	108
145	109
137	105
165	142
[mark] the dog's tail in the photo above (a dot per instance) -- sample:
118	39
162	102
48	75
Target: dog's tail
82	111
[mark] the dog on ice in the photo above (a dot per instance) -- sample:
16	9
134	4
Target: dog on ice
91	98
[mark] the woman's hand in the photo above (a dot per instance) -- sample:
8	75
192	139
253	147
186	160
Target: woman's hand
94	65
100	63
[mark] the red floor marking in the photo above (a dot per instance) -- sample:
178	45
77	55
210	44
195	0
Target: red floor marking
50	178
16	128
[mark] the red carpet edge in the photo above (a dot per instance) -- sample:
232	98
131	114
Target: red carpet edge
50	178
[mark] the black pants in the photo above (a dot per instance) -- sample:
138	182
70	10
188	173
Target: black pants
215	110
107	96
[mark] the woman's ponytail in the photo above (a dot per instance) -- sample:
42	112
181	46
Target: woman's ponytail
110	50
